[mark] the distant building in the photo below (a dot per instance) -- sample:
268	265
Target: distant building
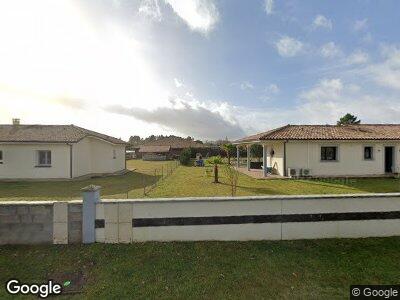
57	151
169	148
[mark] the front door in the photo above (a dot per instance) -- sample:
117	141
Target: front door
389	159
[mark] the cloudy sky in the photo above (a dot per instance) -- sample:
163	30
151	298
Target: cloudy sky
205	68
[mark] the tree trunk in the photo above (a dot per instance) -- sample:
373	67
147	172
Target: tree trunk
229	158
216	173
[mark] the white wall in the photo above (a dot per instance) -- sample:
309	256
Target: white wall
118	215
350	161
277	160
89	156
81	157
20	161
95	156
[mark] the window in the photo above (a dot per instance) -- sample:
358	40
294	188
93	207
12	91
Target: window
368	153
114	154
329	153
1	157
44	158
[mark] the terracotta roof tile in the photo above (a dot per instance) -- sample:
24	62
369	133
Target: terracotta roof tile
329	132
50	134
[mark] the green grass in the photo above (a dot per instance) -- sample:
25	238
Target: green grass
210	270
128	185
191	181
184	182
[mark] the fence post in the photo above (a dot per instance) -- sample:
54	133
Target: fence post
91	195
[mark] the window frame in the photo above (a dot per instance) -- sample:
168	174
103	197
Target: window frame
372	152
48	161
1	157
336	153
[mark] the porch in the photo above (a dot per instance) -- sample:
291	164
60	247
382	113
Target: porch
270	164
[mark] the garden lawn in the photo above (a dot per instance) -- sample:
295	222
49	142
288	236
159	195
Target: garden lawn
192	181
312	269
125	186
185	182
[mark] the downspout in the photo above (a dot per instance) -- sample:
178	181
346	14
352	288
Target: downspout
284	159
125	156
70	161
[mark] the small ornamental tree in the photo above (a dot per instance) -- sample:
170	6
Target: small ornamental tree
232	175
215	160
229	150
184	158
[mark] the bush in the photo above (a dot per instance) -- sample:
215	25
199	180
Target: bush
185	156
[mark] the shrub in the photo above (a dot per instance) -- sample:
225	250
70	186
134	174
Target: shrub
233	176
185	156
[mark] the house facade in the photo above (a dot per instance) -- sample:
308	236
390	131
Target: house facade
329	150
57	152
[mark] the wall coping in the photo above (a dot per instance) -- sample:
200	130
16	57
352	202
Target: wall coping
212	199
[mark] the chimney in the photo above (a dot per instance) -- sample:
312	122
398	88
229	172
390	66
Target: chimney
15	121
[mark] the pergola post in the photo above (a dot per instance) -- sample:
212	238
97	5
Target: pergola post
265	160
237	156
248	157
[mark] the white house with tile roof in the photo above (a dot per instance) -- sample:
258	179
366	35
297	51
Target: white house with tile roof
57	152
360	150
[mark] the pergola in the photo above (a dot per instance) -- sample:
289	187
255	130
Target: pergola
266	161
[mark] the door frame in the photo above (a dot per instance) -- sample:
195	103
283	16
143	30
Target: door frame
393	158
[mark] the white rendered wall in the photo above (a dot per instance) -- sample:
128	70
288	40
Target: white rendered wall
20	161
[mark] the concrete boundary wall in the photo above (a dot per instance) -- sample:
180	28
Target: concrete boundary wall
248	218
196	219
40	222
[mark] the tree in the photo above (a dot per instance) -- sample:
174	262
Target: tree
184	157
229	150
256	150
348	119
215	160
135	140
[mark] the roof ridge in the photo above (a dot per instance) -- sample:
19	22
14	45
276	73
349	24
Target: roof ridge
275	130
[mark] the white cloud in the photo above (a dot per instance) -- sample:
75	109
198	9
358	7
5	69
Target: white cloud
199	15
357	57
189	118
360	25
330	50
289	47
246	85
332	98
178	83
269	6
270	91
321	21
387	73
328	89
150	9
